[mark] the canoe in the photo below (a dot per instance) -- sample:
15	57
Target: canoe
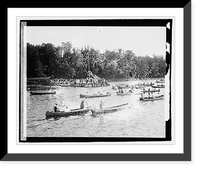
152	98
73	112
95	95
109	109
42	92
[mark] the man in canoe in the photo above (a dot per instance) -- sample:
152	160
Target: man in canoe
82	105
150	93
101	105
56	108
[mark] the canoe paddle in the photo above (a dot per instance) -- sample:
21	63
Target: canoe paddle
104	101
86	102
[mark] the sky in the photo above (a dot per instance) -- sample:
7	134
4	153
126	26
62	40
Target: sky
141	40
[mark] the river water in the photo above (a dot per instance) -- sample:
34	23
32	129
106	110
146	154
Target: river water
141	119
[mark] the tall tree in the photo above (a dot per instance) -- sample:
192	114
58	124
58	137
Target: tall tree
66	61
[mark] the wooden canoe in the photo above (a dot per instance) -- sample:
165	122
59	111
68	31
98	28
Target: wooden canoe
109	109
73	112
42	92
95	95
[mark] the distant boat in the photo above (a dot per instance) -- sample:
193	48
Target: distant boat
95	95
152	98
109	109
160	81
42	92
72	112
128	93
151	91
158	86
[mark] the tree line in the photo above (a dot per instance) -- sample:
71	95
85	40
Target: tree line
66	61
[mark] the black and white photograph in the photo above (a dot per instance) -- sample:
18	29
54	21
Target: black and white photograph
98	84
95	80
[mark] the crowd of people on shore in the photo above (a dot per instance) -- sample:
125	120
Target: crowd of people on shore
88	82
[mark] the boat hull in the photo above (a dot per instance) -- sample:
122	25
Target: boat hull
109	109
41	93
94	96
74	112
158	86
152	99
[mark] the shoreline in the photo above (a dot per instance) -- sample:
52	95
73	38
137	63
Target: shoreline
132	79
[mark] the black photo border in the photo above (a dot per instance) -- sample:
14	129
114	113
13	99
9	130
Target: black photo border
185	156
102	23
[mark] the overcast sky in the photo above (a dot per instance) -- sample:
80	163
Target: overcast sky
141	40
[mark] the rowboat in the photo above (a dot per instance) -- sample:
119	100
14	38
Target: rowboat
42	92
109	109
72	112
152	98
95	95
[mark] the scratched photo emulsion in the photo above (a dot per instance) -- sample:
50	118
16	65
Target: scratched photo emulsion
95	80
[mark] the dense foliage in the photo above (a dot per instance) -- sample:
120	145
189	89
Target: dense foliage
68	62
